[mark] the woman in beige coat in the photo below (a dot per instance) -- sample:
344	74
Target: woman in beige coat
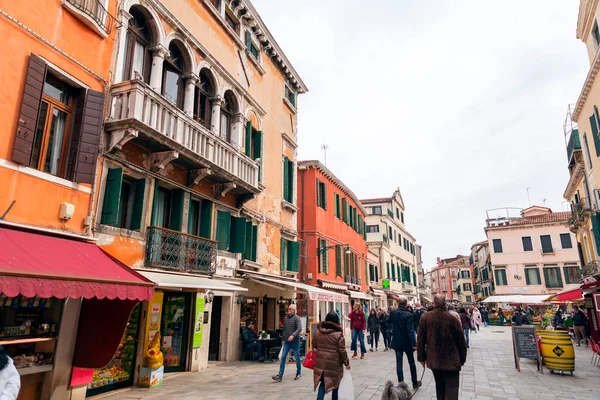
331	356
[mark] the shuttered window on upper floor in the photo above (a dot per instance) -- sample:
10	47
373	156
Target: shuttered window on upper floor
289	171
123	203
321	194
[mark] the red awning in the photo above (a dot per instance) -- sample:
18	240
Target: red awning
569	295
34	264
393	295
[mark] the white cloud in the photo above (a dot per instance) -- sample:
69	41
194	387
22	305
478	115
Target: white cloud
459	103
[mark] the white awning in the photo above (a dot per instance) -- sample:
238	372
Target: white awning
314	293
517	298
378	292
360	295
334	285
186	281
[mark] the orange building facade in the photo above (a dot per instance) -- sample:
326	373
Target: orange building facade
332	229
450	275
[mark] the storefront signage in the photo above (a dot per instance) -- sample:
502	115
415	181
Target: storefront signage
328	297
198	322
154	315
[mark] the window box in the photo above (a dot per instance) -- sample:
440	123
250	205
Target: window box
91	13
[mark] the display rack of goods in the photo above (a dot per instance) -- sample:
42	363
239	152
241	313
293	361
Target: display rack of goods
120	369
24	318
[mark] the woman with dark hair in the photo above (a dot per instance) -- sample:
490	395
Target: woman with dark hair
373	324
331	356
386	329
465	321
10	381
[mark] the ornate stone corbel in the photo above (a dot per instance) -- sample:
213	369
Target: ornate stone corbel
159	49
160	159
222	189
196	175
120	137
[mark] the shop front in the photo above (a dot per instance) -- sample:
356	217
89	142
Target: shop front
591	296
64	305
379	299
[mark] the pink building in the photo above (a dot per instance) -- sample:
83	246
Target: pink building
532	253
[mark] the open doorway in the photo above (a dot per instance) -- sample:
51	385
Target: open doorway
215	329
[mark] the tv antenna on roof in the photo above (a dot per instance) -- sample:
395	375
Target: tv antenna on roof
324	147
528	198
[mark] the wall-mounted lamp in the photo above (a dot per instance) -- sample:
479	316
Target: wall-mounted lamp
281	300
264	299
210	295
241	299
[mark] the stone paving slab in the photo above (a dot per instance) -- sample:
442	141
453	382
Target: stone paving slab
489	373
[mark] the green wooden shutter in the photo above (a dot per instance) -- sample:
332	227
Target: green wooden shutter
282	253
254	247
286	177
366	273
248	40
319	203
137	211
248	144
365	230
249	240
338	260
388	270
112	196
290	180
371	272
176	210
344	210
594	125
206	216
324	195
153	221
393	272
293	256
326	257
257	144
237	238
223	229
376	274
527	277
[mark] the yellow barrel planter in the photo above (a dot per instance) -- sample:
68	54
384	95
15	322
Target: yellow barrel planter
558	351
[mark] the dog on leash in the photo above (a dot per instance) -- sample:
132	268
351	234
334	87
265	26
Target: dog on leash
400	392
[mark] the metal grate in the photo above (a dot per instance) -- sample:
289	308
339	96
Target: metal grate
180	252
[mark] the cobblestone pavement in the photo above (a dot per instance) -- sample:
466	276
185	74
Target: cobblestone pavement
488	374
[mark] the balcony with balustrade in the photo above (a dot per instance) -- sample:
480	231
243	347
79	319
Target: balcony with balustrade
180	252
407	287
93	14
141	115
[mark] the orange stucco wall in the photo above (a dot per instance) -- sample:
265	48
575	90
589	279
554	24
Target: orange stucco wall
38	200
315	222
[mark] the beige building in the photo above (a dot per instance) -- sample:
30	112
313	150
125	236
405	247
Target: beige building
533	253
482	269
388	236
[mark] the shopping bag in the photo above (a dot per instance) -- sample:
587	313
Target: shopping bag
369	339
346	389
309	360
280	352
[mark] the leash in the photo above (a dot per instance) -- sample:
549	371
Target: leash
421	383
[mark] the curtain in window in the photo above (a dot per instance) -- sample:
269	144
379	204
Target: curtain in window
55	143
138	59
161	209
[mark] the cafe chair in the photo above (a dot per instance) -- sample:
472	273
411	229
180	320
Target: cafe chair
596	352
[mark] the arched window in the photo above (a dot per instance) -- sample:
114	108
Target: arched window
172	84
227	112
138	58
204	91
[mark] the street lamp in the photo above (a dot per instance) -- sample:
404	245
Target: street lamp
321	250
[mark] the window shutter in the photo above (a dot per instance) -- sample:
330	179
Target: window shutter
176	210
223	229
393	272
30	105
153	221
371	272
320	255
206	214
344	210
254	247
137	211
88	139
257	144
286	176
282	253
545	276
293	256
527	276
594	125
414	279
338	260
324	195
248	40
237	238
319	203
376	274
248	141
112	197
249	240
291	171
366	273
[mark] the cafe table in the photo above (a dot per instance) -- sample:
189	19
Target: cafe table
267	344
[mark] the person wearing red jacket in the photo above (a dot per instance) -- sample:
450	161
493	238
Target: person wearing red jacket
358	324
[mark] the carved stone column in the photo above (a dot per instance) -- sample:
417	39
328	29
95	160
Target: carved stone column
188	98
216	103
159	52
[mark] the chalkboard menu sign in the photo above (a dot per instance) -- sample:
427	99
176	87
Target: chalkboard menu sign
525	344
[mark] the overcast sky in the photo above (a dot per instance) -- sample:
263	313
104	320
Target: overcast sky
459	103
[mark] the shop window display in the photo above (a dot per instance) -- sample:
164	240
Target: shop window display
119	372
249	313
174	329
28	330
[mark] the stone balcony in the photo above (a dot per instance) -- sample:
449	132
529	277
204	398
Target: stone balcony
141	115
407	287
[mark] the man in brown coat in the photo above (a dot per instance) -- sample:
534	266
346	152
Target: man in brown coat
442	347
331	356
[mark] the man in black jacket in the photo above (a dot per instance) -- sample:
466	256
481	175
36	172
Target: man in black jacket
579	322
419	311
403	340
250	341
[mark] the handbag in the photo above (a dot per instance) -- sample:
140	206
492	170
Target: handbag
369	339
309	360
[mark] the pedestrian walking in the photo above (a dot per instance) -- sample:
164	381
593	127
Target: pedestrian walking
292	326
358	324
579	323
465	321
477	318
501	316
441	346
453	312
403	340
10	380
485	316
374	326
419	311
516	318
386	329
331	356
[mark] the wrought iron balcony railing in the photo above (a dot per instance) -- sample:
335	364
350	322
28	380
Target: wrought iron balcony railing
94	10
592	268
176	251
580	211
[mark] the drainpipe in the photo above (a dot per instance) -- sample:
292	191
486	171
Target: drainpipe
303	274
